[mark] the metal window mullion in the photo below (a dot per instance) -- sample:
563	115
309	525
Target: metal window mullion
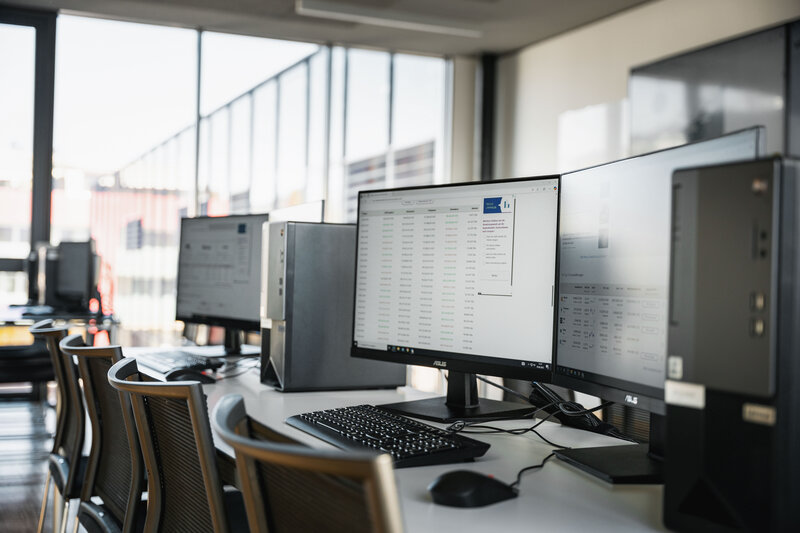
44	92
390	121
307	172
228	158
251	149
197	118
327	144
277	144
445	165
345	177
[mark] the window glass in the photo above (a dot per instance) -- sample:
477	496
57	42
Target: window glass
240	148
336	188
418	112
122	155
367	124
262	193
17	56
292	134
234	64
318	93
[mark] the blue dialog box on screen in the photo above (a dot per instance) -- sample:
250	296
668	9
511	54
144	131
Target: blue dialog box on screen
492	205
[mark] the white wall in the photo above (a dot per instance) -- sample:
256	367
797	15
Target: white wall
590	66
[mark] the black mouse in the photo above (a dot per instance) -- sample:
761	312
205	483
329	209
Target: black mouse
188	374
465	488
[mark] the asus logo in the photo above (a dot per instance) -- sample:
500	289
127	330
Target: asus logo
633	400
442	364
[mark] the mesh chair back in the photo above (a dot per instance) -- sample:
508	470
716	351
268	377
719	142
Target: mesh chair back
116	470
51	335
289	487
70	433
184	489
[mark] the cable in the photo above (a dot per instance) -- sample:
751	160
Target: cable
226	374
567	408
502	387
532	467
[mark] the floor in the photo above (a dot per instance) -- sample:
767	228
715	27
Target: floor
25	441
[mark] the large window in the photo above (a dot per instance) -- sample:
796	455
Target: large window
17	61
123	158
137	146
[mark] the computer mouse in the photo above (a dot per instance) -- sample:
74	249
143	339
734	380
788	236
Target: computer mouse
465	488
188	374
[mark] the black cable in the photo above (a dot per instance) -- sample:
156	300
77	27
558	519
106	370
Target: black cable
564	407
532	467
225	375
502	387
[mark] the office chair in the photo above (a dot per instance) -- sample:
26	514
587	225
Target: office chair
289	487
66	465
184	488
115	471
27	363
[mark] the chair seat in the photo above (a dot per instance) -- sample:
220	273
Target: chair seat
26	363
59	470
234	508
96	518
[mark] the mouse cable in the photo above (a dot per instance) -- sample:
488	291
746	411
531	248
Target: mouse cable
515	485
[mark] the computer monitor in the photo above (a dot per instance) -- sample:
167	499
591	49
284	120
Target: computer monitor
613	287
74	281
459	277
219	274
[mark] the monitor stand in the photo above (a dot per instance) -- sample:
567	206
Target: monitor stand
233	341
626	464
462	403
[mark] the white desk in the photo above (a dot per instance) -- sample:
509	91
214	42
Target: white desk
555	499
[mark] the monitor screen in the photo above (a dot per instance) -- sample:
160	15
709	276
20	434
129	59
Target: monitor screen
75	278
219	270
459	276
614	244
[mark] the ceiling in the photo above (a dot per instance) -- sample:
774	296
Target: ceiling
449	27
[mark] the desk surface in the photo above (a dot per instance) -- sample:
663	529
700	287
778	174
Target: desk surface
555	498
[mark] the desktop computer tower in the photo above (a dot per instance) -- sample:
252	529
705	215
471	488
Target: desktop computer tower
733	366
308	292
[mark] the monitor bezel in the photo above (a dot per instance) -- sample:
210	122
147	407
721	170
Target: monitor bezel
467	363
213	320
609	388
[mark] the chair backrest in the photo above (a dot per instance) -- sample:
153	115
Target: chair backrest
71	418
290	487
51	335
184	488
115	471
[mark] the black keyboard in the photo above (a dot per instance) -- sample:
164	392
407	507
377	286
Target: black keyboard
171	360
410	443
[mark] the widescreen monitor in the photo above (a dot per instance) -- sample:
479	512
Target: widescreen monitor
219	273
613	283
459	277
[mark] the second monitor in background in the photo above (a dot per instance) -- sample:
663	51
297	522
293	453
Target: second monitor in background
614	263
219	274
459	277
